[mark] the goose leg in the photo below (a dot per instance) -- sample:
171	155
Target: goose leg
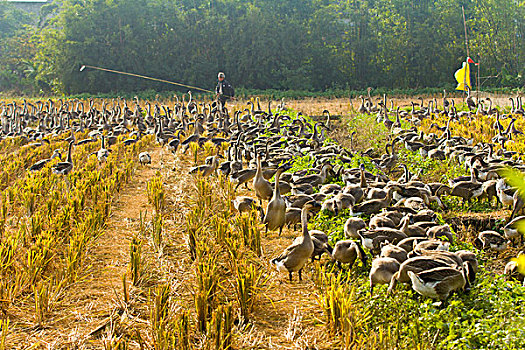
300	277
280	230
290	275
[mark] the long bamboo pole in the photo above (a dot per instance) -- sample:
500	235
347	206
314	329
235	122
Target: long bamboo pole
468	53
143	77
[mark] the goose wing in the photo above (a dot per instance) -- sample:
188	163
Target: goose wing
438	274
39	165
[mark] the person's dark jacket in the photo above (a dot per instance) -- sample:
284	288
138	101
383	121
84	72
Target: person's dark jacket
225	90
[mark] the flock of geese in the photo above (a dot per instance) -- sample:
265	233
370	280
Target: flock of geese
390	218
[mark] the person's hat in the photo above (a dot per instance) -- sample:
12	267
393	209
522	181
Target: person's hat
221	75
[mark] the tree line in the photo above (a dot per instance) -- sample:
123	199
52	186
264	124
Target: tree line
310	45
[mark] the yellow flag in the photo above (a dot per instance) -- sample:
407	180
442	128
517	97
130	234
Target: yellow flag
462	75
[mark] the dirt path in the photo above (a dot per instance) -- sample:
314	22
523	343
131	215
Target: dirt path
88	303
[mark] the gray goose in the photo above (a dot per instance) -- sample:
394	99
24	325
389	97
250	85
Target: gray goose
64	168
41	163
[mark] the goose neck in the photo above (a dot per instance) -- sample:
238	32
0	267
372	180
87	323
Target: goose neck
304	223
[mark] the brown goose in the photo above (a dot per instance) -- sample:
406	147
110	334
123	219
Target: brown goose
276	210
347	252
352	225
314	179
416	265
490	240
296	255
439	282
393	251
374	205
245	204
467	190
382	271
320	240
263	189
411	230
206	169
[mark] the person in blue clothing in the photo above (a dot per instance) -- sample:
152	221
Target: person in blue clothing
224	90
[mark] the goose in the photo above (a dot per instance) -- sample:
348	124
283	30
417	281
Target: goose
276	209
374	205
314	179
352	225
408	243
426	245
298	201
295	256
347	252
173	144
514	229
64	168
471	259
450	258
320	241
244	204
490	240
380	220
331	206
439	282
471	104
467	190
505	193
382	271
206	169
263	189
393	215
373	240
411	230
512	272
144	158
344	201
415	264
517	205
441	232
292	217
103	153
362	108
393	251
41	163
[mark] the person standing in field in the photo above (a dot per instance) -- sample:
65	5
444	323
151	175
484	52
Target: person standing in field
224	91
